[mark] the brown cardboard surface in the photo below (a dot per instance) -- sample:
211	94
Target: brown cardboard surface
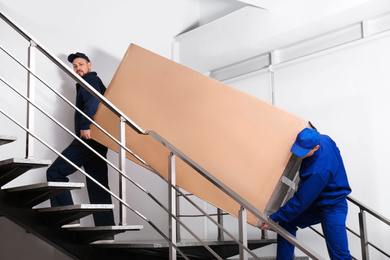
241	140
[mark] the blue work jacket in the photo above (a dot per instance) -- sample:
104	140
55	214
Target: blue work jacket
86	102
323	182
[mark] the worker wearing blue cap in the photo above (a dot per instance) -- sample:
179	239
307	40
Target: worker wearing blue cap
320	197
78	153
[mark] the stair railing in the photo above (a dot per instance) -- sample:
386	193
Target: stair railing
29	132
363	235
364	242
31	135
122	148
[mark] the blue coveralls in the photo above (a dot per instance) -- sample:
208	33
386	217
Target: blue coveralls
82	156
320	198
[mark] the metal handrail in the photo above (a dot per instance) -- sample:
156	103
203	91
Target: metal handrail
75	108
363	208
369	210
72	74
363	226
245	204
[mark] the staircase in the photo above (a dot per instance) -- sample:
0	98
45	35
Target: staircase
17	204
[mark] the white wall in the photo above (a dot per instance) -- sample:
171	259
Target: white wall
344	92
103	30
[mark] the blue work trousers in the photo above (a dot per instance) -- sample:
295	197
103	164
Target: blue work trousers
332	220
81	156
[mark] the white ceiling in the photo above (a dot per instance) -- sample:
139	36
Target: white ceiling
266	4
251	31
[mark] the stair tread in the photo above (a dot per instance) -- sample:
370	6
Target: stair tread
65	214
98	234
107	228
193	248
274	258
12	168
75	207
34	194
189	243
5	139
46	185
25	161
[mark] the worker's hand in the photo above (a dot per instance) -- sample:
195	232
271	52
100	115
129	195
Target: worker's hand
85	134
264	227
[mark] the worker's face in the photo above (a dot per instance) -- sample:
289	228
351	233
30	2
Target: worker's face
81	66
312	151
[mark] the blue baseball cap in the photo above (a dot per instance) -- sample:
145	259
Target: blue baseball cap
306	140
73	56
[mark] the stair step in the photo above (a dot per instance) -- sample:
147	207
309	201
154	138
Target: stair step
31	195
64	214
274	258
193	249
90	234
5	139
14	167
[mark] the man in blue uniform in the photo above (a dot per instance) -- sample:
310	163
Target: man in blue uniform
320	197
80	155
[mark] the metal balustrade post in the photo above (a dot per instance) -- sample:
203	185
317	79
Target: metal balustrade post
264	234
172	205
122	167
220	221
31	95
363	235
178	234
243	232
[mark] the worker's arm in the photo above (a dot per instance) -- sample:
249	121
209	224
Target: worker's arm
308	191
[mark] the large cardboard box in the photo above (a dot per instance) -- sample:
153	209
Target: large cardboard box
241	140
